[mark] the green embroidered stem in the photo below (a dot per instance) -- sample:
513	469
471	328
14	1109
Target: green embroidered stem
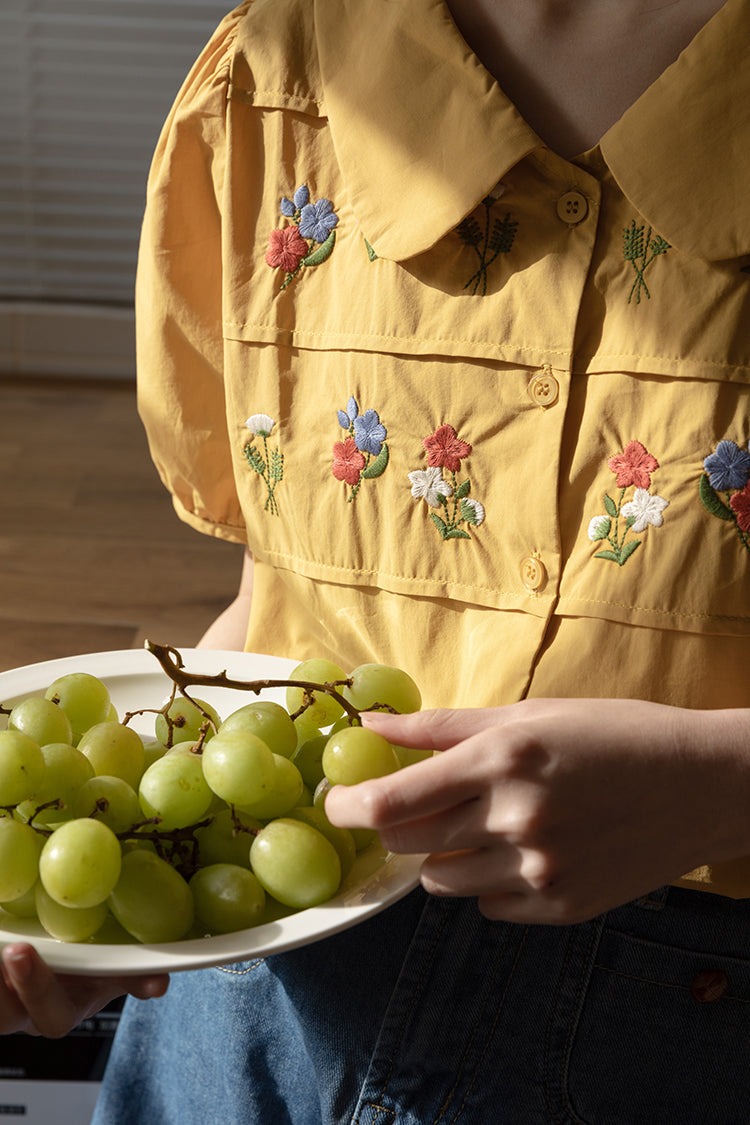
636	251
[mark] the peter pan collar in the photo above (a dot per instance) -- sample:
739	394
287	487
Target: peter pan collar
422	132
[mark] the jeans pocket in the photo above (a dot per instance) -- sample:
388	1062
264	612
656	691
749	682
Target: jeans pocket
648	1033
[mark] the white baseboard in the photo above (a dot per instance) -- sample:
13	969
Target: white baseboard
72	340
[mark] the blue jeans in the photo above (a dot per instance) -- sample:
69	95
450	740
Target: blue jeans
430	1014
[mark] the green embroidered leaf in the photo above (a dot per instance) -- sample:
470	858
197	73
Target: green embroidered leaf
441	525
469	513
633	242
456	533
610	505
315	257
276	467
607	555
254	459
463	489
442	500
630	521
627	551
370	252
376	467
711	501
602	529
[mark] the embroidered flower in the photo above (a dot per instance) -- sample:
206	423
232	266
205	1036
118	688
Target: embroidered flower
727	470
318	220
367	436
472	511
633	466
643	510
728	467
445	449
369	432
346	417
348	462
599	528
269	465
428	484
301	197
260	424
740	504
286	249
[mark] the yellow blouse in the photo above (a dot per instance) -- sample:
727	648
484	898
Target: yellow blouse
478	411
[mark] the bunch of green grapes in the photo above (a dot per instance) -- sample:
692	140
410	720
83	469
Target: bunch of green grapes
209	827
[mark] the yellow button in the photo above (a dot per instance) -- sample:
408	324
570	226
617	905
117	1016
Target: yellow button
544	388
572	207
533	574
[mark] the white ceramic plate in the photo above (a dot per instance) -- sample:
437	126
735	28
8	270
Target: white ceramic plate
136	680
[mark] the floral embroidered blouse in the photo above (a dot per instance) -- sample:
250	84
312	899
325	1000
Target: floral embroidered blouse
478	411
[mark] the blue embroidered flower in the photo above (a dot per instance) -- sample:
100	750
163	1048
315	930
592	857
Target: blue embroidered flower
301	197
369	432
317	220
728	467
346	417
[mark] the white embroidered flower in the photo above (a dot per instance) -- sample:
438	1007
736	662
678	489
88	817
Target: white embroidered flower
428	484
472	511
260	424
599	528
644	509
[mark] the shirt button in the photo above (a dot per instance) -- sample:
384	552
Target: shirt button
572	207
533	574
709	986
544	388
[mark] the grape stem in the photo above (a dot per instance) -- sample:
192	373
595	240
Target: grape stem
172	663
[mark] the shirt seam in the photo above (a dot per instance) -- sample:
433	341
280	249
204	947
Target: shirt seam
399	339
651	609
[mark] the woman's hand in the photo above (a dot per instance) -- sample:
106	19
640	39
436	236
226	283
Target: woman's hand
36	1000
556	810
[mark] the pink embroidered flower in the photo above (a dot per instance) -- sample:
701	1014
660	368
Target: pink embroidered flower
287	249
633	466
445	449
740	504
348	462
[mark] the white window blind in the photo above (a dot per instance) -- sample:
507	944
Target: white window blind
84	88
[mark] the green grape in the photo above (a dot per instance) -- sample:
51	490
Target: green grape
66	770
112	716
306	797
66	923
187	720
357	754
227	898
110	800
83	698
362	837
306	727
114	750
285	794
378	683
341	838
152	751
324	709
295	863
410	755
80	863
21	767
151	900
270	722
308	758
20	846
175	790
239	767
42	720
227	838
24	906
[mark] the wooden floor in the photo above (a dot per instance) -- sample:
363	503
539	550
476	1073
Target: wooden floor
92	555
